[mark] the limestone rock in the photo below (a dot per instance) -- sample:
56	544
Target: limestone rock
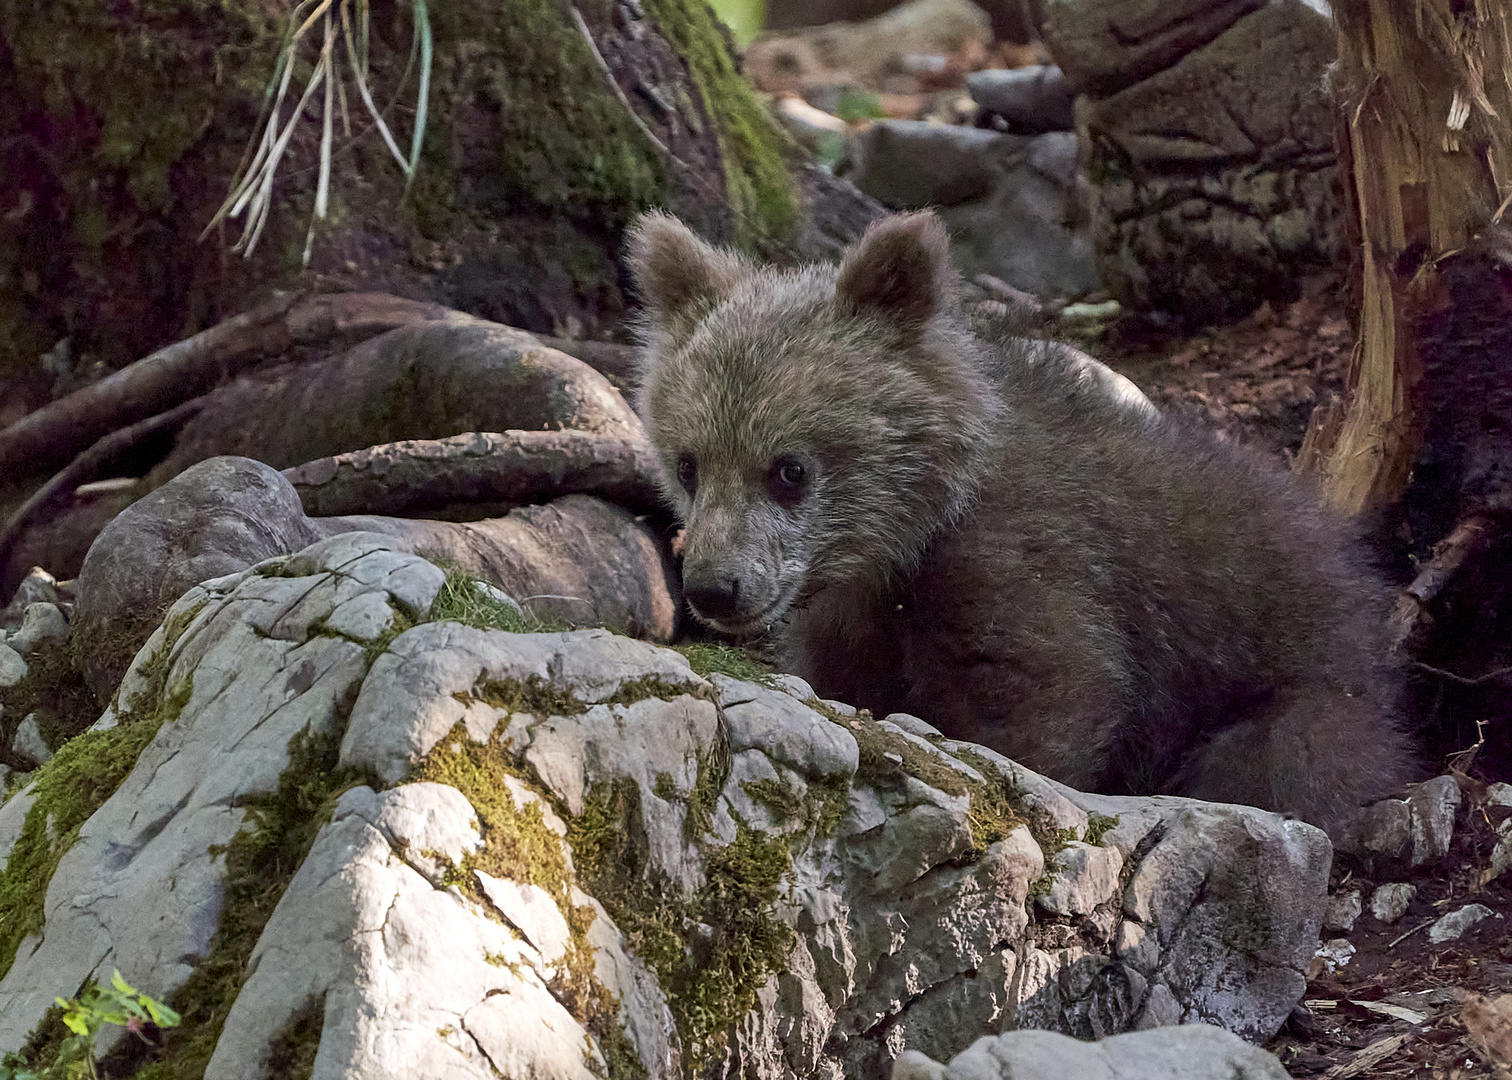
571	848
12	667
1414	830
1453	925
1190	1052
27	743
1342	910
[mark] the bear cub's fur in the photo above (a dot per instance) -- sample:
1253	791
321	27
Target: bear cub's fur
993	543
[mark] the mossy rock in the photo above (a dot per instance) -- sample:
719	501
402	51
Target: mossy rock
126	125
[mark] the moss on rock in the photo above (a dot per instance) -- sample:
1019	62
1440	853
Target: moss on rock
72	785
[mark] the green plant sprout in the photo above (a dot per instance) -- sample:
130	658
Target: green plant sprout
347	20
119	1004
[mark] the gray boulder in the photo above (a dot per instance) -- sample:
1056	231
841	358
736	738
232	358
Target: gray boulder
1011	202
554	851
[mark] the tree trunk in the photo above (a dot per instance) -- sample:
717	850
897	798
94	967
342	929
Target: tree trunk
1426	139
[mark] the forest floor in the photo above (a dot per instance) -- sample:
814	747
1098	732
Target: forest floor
1403	1006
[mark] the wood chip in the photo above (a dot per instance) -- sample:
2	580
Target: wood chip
1369	1057
1397	1011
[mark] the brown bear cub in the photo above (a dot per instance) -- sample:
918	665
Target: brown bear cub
994	544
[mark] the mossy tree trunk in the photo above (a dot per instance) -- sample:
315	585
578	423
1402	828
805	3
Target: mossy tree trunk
123	125
1426	138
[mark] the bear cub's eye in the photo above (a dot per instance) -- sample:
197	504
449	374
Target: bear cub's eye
687	473
786	479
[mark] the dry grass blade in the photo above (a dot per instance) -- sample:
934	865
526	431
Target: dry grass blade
252	189
360	74
1369	1057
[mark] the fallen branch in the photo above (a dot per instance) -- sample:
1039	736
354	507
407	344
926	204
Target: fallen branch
53	434
1449	554
480	468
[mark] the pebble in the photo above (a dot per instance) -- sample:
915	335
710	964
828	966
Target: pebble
1389	902
1453	925
1342	910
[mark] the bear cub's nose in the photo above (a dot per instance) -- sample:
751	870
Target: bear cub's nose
715	598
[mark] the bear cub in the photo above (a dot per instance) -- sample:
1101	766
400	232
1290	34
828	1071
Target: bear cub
934	524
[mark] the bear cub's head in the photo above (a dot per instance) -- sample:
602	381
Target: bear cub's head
815	426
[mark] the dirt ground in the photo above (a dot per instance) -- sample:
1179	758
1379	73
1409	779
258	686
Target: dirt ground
1402	1006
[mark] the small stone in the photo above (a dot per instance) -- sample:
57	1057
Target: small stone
1453	925
364	617
793	685
1084	876
1384	828
28	743
912	724
498	596
1342	910
530	910
44	624
1389	902
36	587
1433	806
1032	99
12	668
1335	953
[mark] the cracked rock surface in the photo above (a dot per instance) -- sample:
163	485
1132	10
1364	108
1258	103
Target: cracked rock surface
558	855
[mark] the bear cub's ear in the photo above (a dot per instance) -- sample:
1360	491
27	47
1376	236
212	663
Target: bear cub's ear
674	271
899	272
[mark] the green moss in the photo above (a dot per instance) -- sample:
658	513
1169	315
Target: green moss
531	695
69	788
260	861
1098	826
664	787
713	771
518	845
886	757
831	800
711	951
708	659
656	686
778	796
756	151
55	692
460	600
560	138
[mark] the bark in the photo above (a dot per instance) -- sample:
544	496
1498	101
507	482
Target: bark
1427	141
417	477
